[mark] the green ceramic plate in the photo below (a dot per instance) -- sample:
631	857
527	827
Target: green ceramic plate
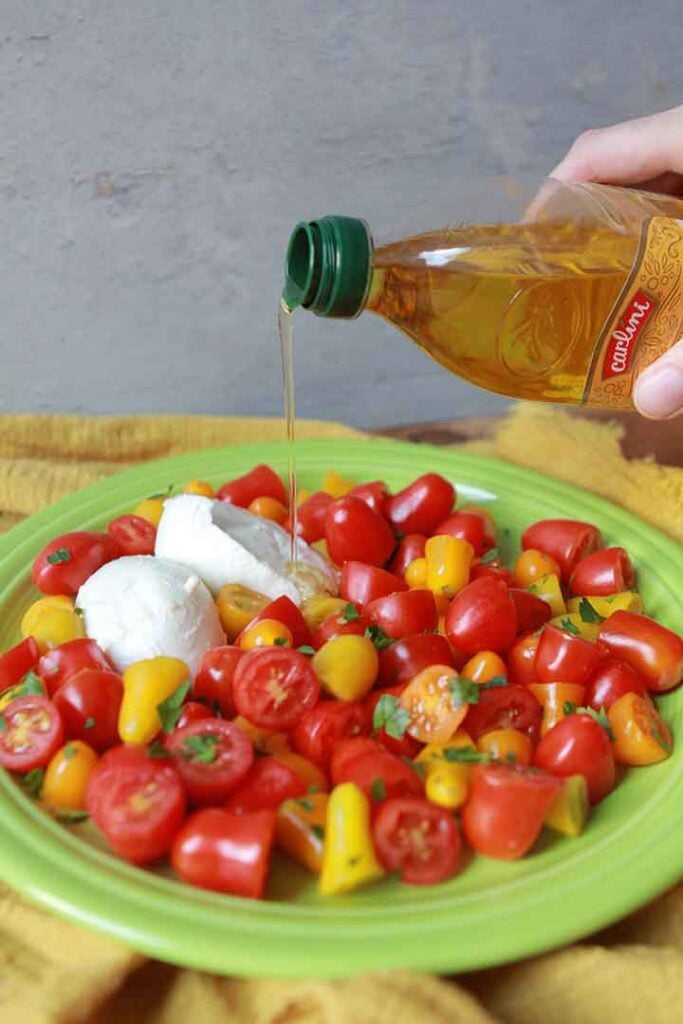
493	912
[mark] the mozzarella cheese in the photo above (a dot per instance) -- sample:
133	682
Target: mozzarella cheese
226	544
142	606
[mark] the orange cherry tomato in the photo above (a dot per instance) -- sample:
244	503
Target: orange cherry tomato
532	565
237	606
553	697
641	736
506	745
269	508
485	666
266	633
435	713
67	774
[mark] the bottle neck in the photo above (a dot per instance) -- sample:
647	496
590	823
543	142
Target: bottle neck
328	266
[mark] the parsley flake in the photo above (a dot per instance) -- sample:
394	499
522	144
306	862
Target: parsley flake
306	649
170	710
305	805
465	755
3	723
588	612
33	781
319	832
463	691
90	723
200	749
490	556
494	683
378	637
59	556
569	707
600	717
31	683
390	716
569	627
70	751
160	494
158	750
71	817
350	613
281	641
378	790
353	862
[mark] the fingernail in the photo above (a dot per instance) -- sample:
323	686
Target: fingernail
658	392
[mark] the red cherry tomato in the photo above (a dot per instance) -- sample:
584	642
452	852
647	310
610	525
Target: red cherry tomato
283	610
505	707
17	661
226	852
338	625
346	751
482	618
420	506
603	573
362	583
89	703
505	808
578	745
64	564
417	839
401	661
354	533
494	570
532	612
412	611
411	547
192	711
375	771
60	663
565	658
654	651
274	686
213	758
33	733
137	801
609	681
310	516
373	494
521	659
260	482
471	526
407	745
567	540
268	783
318	732
133	535
214	678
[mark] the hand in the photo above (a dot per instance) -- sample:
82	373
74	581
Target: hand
647	153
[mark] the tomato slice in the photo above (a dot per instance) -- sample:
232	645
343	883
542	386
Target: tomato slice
399	662
268	783
212	757
60	663
603	573
274	686
133	535
32	733
137	801
89	704
564	658
505	707
471	526
417	839
318	732
482	617
283	610
412	611
411	547
355	533
578	745
260	482
361	583
225	852
420	506
503	814
214	678
532	612
64	564
566	540
17	661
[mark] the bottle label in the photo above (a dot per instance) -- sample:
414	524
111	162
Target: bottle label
647	318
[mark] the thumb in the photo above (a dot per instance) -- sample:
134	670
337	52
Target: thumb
658	391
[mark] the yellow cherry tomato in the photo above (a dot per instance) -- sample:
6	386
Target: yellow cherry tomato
416	573
201	487
269	508
266	633
532	565
435	753
431	700
301	829
237	606
447	785
335	485
553	697
150	509
506	745
624	601
146	685
641	736
66	776
320	607
549	589
573	623
484	666
448	563
349	858
347	666
52	621
569	810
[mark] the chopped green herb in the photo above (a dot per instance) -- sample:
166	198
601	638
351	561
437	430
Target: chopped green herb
306	649
350	613
419	767
463	691
3	723
610	599
378	637
378	790
281	641
661	739
59	556
157	749
600	717
494	683
390	716
304	804
160	494
464	755
313	789
79	611
318	831
171	709
511	758
569	707
31	683
490	556
588	612
70	751
33	781
353	861
201	749
532	588
90	723
71	817
569	627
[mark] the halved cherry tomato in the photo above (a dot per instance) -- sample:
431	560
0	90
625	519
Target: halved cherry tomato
66	777
193	711
213	758
609	681
420	506
641	736
267	784
417	839
60	663
237	607
355	533
482	617
532	612
214	678
133	535
483	667
374	494
137	801
506	745
505	707
578	745
225	852
411	547
566	540
654	651
532	565
402	660
553	698
521	659
261	481
265	633
32	733
17	661
374	770
434	709
89	704
412	611
475	528
283	610
64	564
274	686
406	746
503	814
317	733
319	607
603	573
310	516
362	583
564	658
348	622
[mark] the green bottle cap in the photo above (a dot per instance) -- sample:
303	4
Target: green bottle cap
328	266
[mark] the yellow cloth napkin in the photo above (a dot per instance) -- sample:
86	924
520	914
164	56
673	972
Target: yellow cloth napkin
52	972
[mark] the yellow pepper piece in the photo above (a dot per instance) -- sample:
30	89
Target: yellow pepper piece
416	573
569	810
347	666
150	509
320	607
435	753
66	776
52	621
237	606
336	485
448	564
201	487
146	685
624	601
573	623
349	859
301	829
447	784
549	590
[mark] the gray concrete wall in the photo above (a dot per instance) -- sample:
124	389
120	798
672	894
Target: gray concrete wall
155	153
